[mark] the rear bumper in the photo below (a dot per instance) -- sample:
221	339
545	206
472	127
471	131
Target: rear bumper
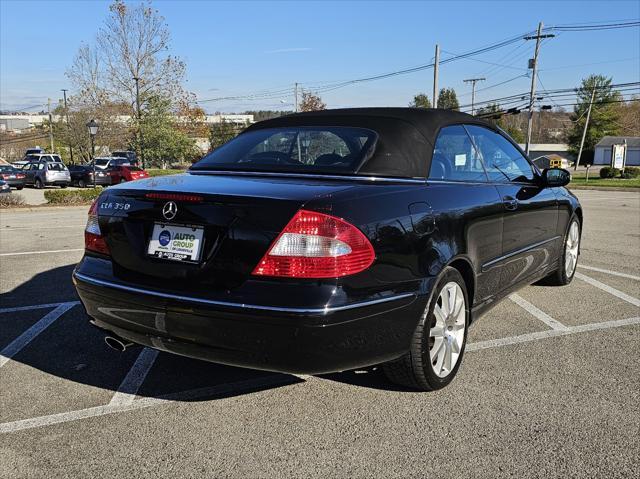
100	180
15	182
291	340
57	182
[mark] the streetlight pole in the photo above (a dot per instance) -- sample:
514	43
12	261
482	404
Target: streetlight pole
66	111
140	139
92	126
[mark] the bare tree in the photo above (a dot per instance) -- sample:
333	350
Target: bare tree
133	43
311	102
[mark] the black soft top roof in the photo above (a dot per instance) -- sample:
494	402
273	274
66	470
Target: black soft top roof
405	135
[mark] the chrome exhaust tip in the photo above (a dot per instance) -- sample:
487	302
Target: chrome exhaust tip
118	344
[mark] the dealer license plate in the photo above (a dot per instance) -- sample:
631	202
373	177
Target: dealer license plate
176	243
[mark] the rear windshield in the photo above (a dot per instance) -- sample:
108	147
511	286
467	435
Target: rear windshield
56	167
101	162
296	149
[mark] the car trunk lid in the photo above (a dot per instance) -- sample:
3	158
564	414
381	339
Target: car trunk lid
237	219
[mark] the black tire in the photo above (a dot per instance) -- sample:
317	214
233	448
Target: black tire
19	187
415	369
562	277
38	184
82	183
63	186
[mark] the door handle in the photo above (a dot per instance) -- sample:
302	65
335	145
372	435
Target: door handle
510	203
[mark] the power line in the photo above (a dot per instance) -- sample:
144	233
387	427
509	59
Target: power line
331	86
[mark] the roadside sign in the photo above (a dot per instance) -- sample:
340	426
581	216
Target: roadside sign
618	156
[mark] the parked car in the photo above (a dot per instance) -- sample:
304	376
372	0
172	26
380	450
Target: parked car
328	241
49	157
4	187
82	176
107	162
129	155
18	165
124	173
33	151
12	176
45	173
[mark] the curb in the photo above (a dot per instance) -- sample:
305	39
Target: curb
44	207
604	188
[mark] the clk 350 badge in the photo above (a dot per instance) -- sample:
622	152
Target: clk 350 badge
114	206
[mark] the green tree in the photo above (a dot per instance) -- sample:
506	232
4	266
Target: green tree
493	113
220	133
163	141
604	115
448	100
421	100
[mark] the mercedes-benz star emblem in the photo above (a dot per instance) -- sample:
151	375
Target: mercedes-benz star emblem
169	210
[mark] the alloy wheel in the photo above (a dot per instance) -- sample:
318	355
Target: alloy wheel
448	325
571	249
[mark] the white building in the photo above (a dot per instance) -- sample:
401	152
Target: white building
604	149
34	120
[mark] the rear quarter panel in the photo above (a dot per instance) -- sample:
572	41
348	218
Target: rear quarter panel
417	230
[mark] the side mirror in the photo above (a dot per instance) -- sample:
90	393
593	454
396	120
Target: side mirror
554	177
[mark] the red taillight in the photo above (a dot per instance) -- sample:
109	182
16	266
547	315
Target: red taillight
315	245
93	240
20	175
175	197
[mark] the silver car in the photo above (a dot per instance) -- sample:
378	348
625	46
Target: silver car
44	173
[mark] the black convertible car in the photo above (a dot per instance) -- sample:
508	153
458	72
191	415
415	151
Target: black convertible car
326	241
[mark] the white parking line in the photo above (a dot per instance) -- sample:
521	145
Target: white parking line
25	338
525	338
541	315
128	389
43	252
192	394
608	271
609	289
35	306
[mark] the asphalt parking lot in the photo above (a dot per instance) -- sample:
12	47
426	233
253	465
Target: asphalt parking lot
550	385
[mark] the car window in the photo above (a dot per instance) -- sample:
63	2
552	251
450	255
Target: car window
40	166
56	166
100	162
455	158
502	160
294	149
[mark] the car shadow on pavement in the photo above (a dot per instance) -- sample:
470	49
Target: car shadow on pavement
73	350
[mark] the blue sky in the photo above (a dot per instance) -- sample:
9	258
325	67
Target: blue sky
236	48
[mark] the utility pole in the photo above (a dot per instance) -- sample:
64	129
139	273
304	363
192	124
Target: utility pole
140	139
533	65
473	82
295	96
66	111
436	64
50	125
584	131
